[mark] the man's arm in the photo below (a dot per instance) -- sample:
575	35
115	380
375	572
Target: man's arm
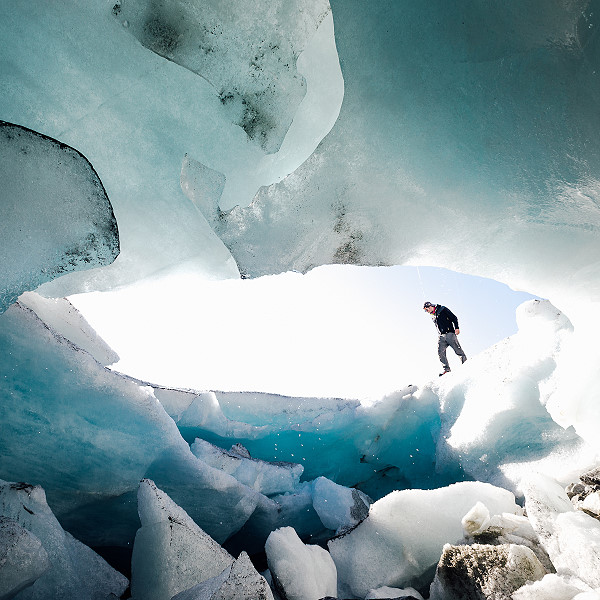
454	321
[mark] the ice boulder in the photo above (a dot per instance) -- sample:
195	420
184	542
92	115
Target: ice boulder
571	537
405	532
23	559
300	572
240	581
484	571
556	587
266	477
387	593
340	508
54	211
202	411
170	553
76	572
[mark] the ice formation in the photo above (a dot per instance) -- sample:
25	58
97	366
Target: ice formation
218	141
389	548
239	581
301	572
171	553
23	559
55	215
57	564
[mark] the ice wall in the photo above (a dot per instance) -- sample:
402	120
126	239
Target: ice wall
138	117
466	135
248	56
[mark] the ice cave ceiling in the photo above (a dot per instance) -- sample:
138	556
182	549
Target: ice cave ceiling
140	137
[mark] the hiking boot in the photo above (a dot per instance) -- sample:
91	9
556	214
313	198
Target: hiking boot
445	371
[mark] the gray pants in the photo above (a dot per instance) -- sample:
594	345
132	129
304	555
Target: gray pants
449	339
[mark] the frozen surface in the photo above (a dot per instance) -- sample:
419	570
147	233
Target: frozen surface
171	553
471	119
571	537
497	407
75	572
302	572
55	216
405	532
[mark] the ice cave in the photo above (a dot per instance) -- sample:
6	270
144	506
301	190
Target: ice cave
154	151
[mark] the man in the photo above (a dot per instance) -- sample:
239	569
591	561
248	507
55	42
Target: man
447	325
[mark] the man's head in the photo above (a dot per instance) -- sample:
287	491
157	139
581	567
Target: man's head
429	307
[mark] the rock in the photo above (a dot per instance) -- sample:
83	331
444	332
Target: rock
576	489
590	504
484	572
591	477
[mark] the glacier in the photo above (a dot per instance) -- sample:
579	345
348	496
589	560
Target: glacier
144	140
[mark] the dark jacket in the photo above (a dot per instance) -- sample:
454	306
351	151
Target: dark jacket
445	320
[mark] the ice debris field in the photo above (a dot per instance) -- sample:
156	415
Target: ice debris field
151	149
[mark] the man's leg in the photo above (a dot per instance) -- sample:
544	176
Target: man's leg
442	345
453	343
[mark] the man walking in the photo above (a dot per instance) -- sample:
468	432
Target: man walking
447	325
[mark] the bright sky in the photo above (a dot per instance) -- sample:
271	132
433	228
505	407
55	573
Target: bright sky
340	331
